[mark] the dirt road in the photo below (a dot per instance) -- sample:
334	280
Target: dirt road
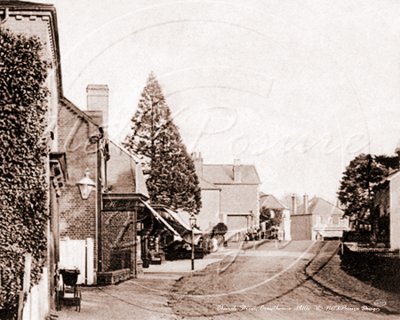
269	282
273	283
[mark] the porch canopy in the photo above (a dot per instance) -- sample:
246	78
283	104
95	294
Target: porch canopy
162	220
171	220
178	223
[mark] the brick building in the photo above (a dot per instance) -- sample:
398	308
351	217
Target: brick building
118	178
40	20
230	194
77	141
79	217
317	219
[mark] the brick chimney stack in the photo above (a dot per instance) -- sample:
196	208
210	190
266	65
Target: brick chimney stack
97	100
198	163
305	204
237	171
294	204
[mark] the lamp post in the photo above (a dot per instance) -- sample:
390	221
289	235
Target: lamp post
192	221
86	185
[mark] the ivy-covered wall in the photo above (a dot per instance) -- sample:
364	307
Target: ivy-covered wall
23	160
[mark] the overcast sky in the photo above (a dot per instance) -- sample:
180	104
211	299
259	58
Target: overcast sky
297	88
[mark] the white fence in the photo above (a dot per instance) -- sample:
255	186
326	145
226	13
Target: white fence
78	254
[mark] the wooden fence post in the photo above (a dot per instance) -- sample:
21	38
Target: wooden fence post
26	285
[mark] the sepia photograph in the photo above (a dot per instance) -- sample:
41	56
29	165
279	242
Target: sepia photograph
199	159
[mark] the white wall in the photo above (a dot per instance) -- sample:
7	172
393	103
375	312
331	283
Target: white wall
37	306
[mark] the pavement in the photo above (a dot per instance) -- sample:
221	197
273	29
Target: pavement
146	297
176	269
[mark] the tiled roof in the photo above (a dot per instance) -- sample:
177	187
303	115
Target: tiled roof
223	174
70	105
124	174
205	185
270	202
319	206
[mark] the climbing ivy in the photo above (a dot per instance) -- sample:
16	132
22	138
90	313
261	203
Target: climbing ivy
23	153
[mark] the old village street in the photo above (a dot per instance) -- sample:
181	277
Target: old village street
297	280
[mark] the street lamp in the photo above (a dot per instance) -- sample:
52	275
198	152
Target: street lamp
192	221
86	185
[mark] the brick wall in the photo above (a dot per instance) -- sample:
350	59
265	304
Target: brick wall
301	227
77	216
117	229
33	25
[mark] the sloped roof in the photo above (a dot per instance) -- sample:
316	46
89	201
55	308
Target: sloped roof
388	178
82	114
205	185
124	174
223	174
269	201
320	207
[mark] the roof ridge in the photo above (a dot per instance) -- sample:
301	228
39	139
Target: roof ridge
119	146
79	111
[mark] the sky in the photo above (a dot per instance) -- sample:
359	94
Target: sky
297	88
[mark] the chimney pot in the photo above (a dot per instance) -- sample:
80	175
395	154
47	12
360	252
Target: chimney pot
237	172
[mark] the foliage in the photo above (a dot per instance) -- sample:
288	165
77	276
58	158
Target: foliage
23	186
219	229
265	216
356	187
171	176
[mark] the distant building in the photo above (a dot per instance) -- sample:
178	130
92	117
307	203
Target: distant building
270	202
386	212
317	219
230	194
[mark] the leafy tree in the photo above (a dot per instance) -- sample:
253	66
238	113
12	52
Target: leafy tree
23	186
271	221
219	229
171	176
356	187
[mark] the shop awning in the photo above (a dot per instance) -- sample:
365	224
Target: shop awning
175	216
161	219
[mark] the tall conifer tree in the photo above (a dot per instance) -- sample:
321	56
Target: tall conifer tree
169	169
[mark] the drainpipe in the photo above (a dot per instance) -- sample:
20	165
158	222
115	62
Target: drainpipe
97	139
